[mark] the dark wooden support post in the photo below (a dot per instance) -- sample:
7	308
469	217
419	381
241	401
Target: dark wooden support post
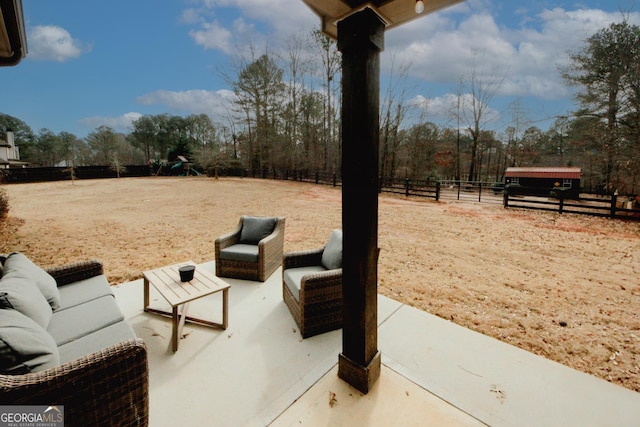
360	39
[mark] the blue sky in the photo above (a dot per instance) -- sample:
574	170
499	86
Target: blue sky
94	63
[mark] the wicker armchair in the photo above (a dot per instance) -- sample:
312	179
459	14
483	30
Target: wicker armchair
250	260
317	307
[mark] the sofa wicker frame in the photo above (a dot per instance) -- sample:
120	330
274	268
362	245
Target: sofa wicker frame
108	387
270	251
319	309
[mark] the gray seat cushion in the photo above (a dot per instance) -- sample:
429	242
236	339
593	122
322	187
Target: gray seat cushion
84	290
293	277
240	252
45	282
77	321
332	254
255	228
24	345
96	341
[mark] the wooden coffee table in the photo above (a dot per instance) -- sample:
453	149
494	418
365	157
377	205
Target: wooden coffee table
166	280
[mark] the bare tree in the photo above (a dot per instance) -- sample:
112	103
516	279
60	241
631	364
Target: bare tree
331	61
482	87
298	67
394	109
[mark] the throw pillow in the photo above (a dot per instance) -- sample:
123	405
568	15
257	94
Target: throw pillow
332	254
22	294
24	345
27	269
255	228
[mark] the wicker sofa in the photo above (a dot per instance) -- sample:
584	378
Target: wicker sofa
253	251
81	353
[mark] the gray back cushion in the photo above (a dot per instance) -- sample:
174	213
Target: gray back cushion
255	228
332	254
22	294
45	282
24	345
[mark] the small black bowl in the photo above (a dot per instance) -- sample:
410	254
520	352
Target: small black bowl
186	272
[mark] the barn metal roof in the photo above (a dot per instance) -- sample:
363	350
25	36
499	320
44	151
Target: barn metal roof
546	172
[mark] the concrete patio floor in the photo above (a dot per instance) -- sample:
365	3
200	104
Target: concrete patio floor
260	372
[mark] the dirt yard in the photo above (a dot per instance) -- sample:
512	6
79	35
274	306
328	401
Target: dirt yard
565	287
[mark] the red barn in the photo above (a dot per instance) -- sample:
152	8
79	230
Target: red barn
541	180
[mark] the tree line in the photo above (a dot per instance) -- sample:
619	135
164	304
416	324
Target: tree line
285	116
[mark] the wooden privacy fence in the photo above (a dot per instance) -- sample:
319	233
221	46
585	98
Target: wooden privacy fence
612	206
23	175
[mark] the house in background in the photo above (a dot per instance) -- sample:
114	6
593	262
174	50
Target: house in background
540	181
9	152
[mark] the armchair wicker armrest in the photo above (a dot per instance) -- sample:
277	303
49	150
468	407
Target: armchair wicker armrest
270	251
69	273
109	387
228	239
302	258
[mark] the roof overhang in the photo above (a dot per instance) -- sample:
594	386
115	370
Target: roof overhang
392	12
13	37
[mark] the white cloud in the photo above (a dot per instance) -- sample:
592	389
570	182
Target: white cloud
53	43
212	103
256	24
444	51
212	35
444	109
123	123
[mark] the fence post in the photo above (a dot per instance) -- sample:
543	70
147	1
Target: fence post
480	192
317	177
505	198
334	179
437	191
459	185
561	204
406	187
614	200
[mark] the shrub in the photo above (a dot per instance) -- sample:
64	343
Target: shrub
4	204
560	193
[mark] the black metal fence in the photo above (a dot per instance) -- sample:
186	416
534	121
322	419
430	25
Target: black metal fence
611	206
470	191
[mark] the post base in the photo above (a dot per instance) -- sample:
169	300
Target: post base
360	377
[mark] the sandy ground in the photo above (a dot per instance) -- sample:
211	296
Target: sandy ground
566	287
